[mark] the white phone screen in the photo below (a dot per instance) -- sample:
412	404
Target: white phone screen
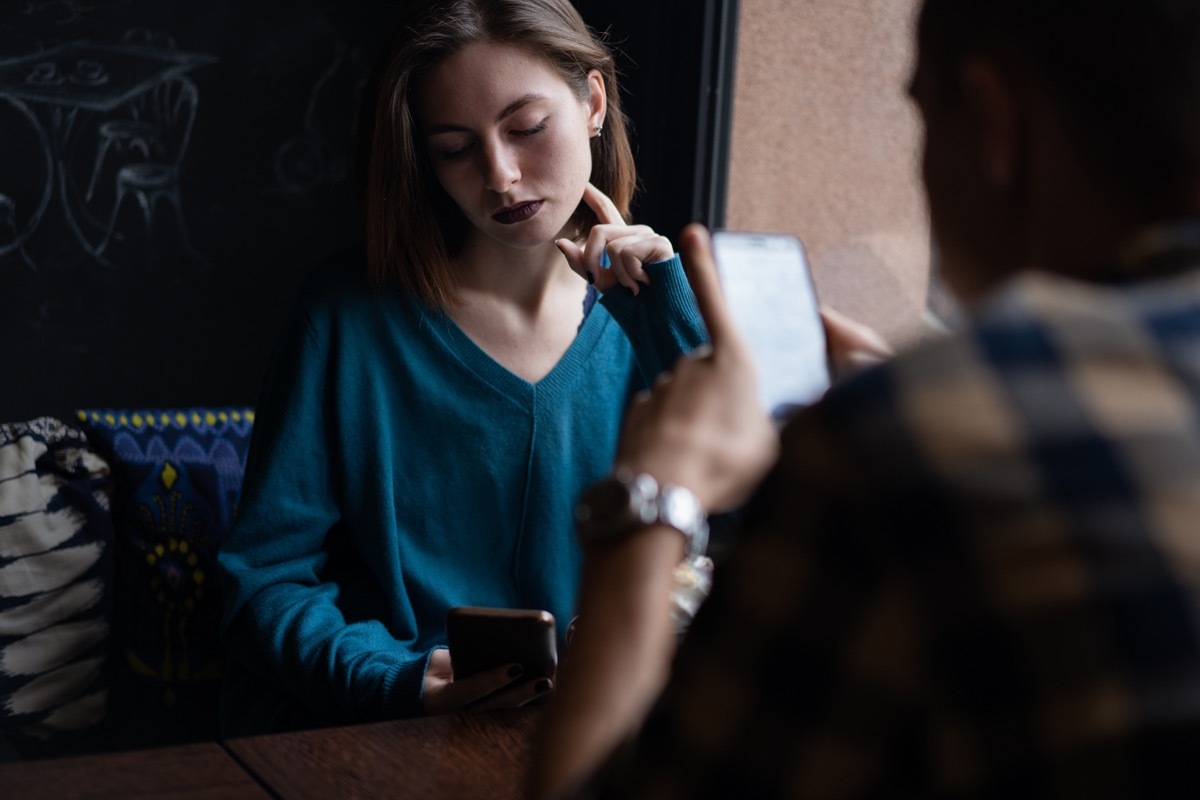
770	293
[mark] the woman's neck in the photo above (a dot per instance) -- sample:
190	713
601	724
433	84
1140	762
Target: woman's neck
520	277
522	307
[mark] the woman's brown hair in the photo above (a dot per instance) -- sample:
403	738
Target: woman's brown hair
413	228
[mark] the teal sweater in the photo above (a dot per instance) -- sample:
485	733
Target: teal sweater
396	471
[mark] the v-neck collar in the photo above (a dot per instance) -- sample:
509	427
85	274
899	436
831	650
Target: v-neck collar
558	380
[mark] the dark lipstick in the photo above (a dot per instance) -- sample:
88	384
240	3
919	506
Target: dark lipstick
511	216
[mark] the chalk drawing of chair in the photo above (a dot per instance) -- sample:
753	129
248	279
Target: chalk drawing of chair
123	136
140	131
171	110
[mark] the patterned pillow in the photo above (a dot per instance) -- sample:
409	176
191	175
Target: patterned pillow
56	572
177	477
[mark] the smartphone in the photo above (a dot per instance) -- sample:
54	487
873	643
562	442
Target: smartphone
770	293
482	638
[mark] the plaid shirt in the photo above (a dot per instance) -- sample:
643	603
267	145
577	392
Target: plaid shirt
975	572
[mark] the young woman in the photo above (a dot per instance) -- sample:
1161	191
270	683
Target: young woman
437	405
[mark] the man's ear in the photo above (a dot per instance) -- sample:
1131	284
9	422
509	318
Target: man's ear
989	98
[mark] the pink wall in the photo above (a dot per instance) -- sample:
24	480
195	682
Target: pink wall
825	146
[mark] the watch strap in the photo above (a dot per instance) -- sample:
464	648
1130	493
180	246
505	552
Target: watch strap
644	502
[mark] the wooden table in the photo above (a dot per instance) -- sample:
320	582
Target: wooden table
188	771
459	756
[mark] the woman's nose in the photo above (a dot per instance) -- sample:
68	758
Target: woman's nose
501	170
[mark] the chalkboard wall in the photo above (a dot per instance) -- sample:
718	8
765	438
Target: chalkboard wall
168	169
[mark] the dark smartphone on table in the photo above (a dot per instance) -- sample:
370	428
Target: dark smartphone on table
770	293
482	638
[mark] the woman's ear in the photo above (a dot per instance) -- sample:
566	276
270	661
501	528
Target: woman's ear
989	98
597	101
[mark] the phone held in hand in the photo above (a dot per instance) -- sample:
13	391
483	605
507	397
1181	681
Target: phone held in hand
770	293
482	638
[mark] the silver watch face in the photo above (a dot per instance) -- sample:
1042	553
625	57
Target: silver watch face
621	503
679	508
643	497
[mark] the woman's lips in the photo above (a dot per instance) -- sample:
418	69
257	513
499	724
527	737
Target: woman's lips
510	216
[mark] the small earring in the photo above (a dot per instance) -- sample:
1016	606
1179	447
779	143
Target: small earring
599	129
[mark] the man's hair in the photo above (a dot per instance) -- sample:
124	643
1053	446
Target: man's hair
412	227
1127	73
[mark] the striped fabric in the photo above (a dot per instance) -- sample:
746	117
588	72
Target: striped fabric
55	570
974	573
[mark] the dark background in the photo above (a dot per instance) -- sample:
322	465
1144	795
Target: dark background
184	311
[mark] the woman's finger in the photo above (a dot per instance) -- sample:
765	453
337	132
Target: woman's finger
577	260
628	250
594	249
629	268
459	693
514	696
601	255
652	242
573	254
602	204
634	252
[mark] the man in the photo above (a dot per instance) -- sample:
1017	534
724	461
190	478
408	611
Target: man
973	570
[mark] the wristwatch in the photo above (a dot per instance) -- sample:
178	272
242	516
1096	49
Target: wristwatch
624	502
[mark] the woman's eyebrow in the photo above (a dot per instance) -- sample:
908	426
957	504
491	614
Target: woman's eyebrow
518	104
508	111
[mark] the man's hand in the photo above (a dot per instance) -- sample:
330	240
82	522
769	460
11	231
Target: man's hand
852	345
702	427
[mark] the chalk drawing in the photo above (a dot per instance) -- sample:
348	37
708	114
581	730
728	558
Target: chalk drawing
319	155
57	89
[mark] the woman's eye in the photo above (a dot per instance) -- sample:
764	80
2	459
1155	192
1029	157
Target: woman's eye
450	155
541	126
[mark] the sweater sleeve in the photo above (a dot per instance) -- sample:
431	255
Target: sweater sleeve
662	321
284	619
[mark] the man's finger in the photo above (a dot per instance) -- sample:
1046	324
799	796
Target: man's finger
602	204
701	268
848	333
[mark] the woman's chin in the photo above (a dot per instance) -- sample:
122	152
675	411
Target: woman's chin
532	233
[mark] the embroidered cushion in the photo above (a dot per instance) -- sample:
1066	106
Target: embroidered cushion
56	571
177	477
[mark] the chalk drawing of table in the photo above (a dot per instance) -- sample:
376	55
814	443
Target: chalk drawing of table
52	91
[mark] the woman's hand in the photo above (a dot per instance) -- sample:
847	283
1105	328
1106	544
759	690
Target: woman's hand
501	687
628	247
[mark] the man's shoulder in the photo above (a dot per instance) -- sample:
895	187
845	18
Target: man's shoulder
1044	358
1039	324
1085	318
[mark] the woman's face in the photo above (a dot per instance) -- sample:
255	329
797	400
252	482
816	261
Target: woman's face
509	140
